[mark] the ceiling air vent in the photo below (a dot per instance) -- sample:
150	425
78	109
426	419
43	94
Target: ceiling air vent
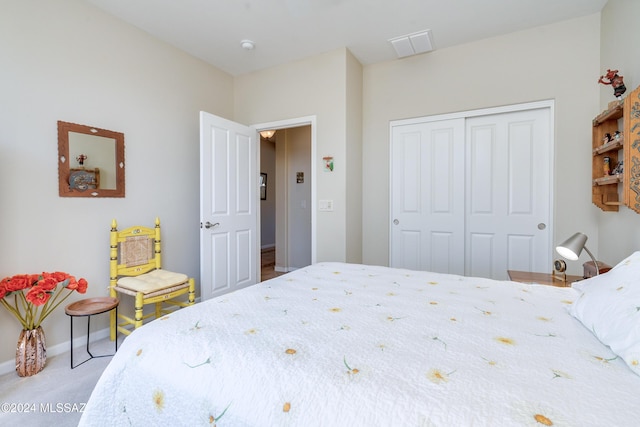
412	44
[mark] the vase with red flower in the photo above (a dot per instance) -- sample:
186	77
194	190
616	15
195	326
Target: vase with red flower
31	298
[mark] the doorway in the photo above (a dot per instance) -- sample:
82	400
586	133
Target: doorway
287	199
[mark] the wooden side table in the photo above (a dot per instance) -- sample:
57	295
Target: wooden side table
541	278
87	308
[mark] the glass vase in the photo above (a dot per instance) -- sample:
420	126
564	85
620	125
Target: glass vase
31	352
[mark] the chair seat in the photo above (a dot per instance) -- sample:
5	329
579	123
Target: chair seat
153	281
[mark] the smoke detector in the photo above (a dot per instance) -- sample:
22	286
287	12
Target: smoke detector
247	44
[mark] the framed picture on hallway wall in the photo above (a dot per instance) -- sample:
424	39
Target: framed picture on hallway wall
263	186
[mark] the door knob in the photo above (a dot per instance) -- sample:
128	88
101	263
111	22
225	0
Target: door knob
396	222
208	225
542	226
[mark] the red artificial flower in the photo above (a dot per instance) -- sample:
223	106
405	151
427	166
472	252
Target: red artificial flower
59	276
82	285
37	295
72	284
18	282
48	283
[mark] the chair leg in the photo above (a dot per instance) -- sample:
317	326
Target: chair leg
158	310
192	291
139	307
113	319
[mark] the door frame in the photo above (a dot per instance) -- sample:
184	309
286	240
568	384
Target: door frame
549	104
292	123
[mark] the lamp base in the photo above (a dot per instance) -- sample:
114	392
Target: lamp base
560	276
590	268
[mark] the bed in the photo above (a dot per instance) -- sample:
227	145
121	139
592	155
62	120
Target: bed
339	344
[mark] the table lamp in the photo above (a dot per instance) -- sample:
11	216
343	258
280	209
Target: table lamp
572	248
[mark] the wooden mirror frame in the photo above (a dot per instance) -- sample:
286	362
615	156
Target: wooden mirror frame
64	168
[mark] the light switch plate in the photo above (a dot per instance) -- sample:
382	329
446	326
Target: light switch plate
325	205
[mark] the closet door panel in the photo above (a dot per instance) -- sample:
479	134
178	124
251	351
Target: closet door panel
510	198
520	168
427	212
481	169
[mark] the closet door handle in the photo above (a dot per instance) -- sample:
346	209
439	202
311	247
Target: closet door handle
208	225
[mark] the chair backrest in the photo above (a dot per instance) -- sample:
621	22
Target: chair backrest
134	251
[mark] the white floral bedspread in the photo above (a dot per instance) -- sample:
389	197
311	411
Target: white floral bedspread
351	345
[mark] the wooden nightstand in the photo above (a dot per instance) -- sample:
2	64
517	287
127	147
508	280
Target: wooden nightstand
541	278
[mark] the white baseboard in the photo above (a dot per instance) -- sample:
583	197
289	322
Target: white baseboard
284	269
63	347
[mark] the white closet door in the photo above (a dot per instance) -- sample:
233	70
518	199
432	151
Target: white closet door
508	193
427	208
471	194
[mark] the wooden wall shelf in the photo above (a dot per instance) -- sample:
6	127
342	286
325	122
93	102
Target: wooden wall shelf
609	146
614	112
621	116
606	180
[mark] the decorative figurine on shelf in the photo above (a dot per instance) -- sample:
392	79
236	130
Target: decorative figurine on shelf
617	135
619	169
607	138
615	81
607	166
81	158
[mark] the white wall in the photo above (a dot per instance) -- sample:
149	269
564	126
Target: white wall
67	60
556	61
619	232
354	147
268	206
298	143
317	87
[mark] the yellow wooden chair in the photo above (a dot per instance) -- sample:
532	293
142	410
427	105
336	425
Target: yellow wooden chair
136	270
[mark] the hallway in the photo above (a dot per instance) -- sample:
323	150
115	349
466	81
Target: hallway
268	263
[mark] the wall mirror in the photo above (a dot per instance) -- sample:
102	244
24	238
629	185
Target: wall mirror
90	161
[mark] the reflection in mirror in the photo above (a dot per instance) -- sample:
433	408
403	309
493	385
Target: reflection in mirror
90	161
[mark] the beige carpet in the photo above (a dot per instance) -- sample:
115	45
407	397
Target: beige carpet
56	395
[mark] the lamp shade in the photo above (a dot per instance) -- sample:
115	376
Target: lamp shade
572	247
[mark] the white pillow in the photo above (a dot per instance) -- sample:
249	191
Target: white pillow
610	308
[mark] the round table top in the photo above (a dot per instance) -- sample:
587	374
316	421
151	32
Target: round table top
89	306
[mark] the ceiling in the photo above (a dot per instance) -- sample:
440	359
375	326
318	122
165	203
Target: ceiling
288	30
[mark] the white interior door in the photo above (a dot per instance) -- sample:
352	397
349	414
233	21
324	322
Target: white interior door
427	208
471	192
228	206
508	193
